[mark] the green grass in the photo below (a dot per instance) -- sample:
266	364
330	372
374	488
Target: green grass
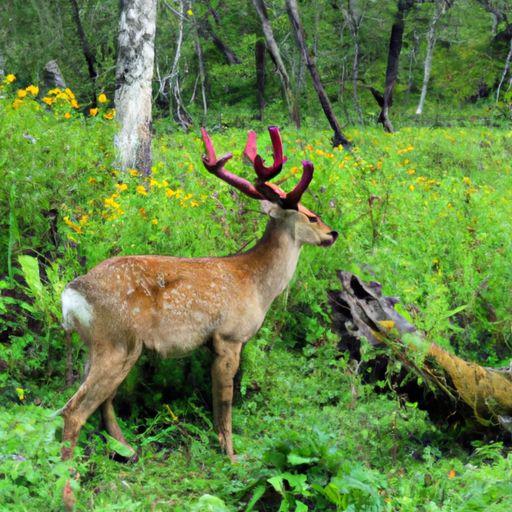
427	212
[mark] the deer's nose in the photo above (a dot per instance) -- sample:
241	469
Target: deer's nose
334	235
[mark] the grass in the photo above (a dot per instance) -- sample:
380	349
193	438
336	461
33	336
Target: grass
424	211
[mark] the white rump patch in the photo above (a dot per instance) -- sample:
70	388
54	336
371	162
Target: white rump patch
75	308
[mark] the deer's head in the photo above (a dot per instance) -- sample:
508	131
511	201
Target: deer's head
285	207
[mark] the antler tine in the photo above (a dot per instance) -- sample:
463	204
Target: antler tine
266	173
292	198
216	167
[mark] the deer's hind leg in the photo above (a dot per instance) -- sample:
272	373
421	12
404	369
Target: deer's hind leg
109	365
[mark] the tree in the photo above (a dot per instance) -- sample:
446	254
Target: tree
273	49
293	14
134	73
441	6
353	14
86	49
395	47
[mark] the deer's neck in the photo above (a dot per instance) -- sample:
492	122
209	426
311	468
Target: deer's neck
272	261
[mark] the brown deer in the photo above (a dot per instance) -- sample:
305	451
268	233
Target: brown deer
175	305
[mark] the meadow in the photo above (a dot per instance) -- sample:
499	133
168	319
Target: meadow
425	211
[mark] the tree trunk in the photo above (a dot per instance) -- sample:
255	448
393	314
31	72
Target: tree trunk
207	31
259	54
353	17
293	14
506	70
450	384
181	114
395	47
134	73
86	49
431	41
202	72
273	49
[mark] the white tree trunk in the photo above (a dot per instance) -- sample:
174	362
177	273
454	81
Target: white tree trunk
134	73
505	72
431	41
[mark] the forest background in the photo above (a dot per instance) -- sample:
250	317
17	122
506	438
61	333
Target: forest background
425	210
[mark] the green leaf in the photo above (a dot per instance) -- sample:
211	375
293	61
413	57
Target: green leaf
297	460
118	447
453	312
209	503
258	492
30	269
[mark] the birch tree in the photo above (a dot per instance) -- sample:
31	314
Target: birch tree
441	6
134	73
353	14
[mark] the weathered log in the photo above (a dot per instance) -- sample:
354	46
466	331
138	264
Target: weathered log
361	313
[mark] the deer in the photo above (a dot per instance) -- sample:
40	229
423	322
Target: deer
175	305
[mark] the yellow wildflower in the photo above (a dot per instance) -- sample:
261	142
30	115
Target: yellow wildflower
154	183
22	93
194	203
411	187
16	104
410	172
110	114
295	170
69	93
154	222
109	201
102	98
54	91
67	115
466	180
10	78
169	192
190	12
92	181
93	111
33	89
21	393
75	227
121	187
48	100
141	190
74	103
84	219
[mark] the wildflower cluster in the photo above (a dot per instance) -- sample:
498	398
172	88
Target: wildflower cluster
102	101
29	92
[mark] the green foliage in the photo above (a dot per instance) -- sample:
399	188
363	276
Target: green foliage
425	211
33	476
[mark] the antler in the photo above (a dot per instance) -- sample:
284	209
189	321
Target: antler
263	189
216	166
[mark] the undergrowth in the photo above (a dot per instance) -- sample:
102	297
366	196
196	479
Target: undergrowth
427	212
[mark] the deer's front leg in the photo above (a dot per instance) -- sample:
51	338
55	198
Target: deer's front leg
224	368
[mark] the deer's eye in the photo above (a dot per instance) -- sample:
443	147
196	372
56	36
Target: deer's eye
313	219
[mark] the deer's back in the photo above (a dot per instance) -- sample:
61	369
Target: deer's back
172	305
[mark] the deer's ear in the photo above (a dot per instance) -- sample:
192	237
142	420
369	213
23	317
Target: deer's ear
271	209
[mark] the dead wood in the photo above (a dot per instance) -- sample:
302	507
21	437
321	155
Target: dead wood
361	313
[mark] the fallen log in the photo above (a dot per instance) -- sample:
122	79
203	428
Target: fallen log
360	314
